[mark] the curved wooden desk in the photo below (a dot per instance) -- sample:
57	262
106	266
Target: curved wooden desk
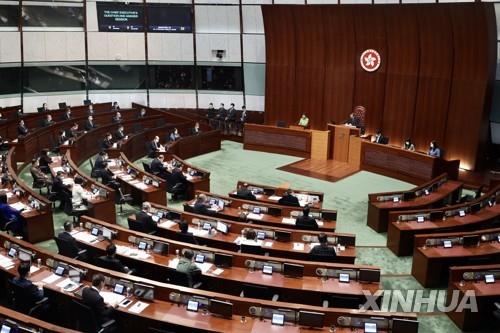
27	323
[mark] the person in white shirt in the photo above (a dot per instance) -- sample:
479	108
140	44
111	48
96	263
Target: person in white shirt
78	194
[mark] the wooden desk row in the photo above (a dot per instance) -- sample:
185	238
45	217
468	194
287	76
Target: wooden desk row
435	193
486	294
271	194
297	248
163	313
19	321
273	215
432	260
404	225
310	289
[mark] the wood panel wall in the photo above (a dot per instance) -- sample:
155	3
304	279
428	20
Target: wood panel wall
434	82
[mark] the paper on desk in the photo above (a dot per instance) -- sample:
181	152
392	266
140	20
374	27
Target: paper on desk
204	267
268	244
18	205
127	251
288	220
217	271
138	307
237	240
141	186
68	285
173	263
85	237
68	180
167	224
320	223
6	262
311	245
57	169
51	278
298	246
274	197
254	216
34	269
258	196
111	298
198	232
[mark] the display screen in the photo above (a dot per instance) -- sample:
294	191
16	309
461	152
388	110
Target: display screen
120	17
53	16
168	18
9	15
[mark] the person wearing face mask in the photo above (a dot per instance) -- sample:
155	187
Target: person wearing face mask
408	145
434	150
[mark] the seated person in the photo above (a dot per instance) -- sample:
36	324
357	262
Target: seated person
201	206
408	145
92	298
145	219
48	121
154	147
9	214
45	107
186	265
38	175
434	150
79	197
102	157
379	138
107	143
158	168
117	118
74	131
174	136
120	134
177	183
305	221
183	235
34	293
22	129
142	114
323	249
66	236
288	199
250	237
303	121
58	187
244	193
67	114
108	178
89	123
111	262
115	106
44	161
353	121
90	110
195	130
62	138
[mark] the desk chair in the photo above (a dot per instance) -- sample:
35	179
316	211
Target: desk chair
22	301
322	258
252	249
146	167
259	292
185	279
70	210
186	238
66	249
123	198
94	173
139	226
39	183
112	265
496	311
84	319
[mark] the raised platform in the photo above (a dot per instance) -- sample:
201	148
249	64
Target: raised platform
328	170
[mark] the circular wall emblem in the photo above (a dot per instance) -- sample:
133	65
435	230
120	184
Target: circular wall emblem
370	60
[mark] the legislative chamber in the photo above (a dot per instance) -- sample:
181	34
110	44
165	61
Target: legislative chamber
249	166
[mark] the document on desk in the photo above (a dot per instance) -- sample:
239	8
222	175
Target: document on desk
173	263
111	297
217	271
6	262
18	205
198	232
204	267
68	181
57	169
167	224
51	278
298	246
138	307
253	216
237	240
268	244
68	285
85	237
34	269
141	186
274	197
288	220
320	223
311	245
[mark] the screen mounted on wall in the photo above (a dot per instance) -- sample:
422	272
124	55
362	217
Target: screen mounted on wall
169	18
120	17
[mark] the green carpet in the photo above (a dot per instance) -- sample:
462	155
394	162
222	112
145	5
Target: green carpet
348	196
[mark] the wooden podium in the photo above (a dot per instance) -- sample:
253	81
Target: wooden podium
342	146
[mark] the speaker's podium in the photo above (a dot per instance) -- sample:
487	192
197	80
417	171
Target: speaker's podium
295	140
345	144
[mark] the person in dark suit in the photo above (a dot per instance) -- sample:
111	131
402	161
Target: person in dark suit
44	108
153	147
74	131
108	178
120	134
141	114
219	118
102	157
305	221
179	181
117	118
92	298
183	235
195	130
288	199
90	110
201	206
241	120
35	293
89	124
107	142
67	114
48	121
244	193
115	106
37	174
379	138
44	161
145	219
22	129
157	167
353	121
58	188
111	260
434	150
62	138
177	176
66	236
174	136
323	249
230	119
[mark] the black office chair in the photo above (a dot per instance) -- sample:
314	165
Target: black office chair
66	249
252	249
281	123
112	265
146	167
184	279
123	198
496	311
185	238
39	183
22	301
259	292
70	210
343	302
84	319
138	226
178	191
322	258
94	173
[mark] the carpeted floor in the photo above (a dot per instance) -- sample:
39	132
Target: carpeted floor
348	196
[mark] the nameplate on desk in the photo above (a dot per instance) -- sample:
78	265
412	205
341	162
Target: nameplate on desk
138	307
204	267
288	220
254	216
167	224
217	271
51	278
298	246
85	237
268	244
